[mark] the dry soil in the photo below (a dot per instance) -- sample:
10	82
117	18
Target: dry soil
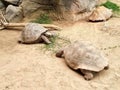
27	67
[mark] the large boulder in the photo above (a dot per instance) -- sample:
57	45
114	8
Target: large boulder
13	13
30	6
72	10
1	5
68	9
75	6
11	2
14	2
75	9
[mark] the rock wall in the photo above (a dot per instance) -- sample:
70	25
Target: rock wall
72	10
30	6
75	10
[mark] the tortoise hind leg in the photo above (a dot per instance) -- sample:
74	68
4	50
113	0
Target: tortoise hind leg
20	41
44	38
106	68
88	75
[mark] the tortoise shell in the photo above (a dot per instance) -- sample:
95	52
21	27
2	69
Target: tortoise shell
83	55
101	13
32	32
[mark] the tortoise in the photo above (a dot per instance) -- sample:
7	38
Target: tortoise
35	33
83	56
101	13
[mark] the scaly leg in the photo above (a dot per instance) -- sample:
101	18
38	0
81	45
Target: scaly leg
88	75
47	41
59	53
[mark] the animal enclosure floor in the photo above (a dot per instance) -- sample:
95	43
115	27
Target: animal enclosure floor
27	67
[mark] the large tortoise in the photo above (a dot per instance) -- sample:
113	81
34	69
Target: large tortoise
85	57
35	33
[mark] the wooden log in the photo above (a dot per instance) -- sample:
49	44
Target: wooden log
10	25
5	24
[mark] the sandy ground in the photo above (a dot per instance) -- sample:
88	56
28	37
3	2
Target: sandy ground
27	67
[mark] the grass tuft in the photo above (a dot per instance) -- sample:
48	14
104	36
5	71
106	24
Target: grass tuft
111	5
43	19
57	43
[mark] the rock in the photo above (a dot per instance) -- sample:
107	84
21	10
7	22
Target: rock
102	1
75	9
72	10
13	13
30	6
100	14
13	2
1	5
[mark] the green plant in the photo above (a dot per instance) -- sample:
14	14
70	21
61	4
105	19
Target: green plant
52	44
43	19
111	5
57	43
115	8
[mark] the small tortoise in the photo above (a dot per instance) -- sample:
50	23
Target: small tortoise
101	13
85	57
35	33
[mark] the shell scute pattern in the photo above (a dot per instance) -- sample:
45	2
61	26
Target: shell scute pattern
84	56
32	32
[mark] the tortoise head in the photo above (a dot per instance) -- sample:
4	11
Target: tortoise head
49	34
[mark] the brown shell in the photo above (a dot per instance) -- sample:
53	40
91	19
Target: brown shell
32	32
83	55
100	14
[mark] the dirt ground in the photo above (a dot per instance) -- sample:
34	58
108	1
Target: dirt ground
27	67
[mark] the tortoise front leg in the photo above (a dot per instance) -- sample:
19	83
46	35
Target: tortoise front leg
44	38
59	53
88	75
